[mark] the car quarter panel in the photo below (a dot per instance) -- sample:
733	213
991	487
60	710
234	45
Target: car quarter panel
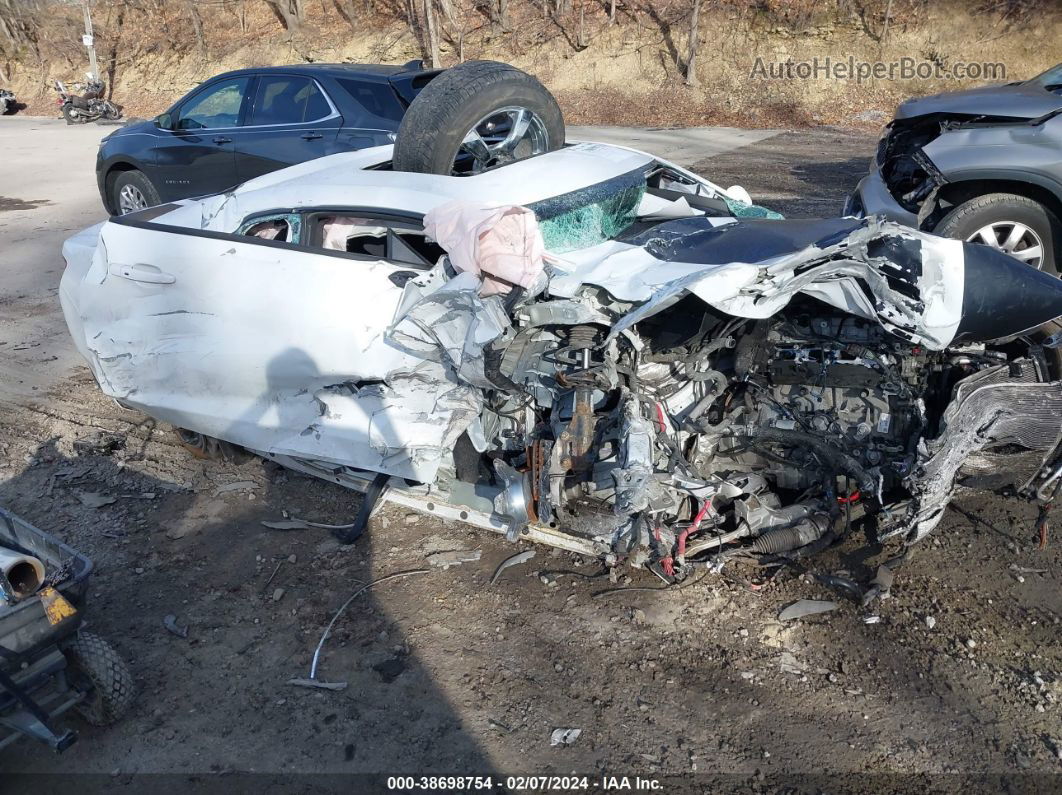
262	344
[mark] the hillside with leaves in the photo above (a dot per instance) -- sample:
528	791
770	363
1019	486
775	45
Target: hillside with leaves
647	62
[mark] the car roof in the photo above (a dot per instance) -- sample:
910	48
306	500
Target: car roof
372	71
354	179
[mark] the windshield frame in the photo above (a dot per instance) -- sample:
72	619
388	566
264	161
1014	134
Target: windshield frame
1049	77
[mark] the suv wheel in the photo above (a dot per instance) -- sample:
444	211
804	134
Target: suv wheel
1023	228
132	191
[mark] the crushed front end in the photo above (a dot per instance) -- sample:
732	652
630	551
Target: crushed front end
688	391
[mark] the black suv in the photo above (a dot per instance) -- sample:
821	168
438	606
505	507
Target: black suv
249	122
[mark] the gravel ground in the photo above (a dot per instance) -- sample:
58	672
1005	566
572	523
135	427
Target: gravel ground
954	678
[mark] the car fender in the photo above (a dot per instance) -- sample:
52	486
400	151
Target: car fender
1002	153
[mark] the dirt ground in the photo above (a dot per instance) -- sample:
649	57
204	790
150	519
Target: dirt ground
954	678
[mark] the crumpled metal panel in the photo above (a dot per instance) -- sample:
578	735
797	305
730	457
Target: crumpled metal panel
989	409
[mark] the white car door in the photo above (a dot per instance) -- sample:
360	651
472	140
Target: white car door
271	346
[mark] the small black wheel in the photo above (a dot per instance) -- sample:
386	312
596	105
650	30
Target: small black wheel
71	115
133	191
95	668
1021	227
476	116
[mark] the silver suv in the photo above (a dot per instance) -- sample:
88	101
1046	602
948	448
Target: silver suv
983	165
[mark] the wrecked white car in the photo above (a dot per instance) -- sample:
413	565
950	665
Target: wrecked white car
586	348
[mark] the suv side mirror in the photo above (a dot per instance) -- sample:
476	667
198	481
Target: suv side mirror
164	121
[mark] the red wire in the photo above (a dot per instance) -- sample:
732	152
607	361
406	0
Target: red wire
693	528
851	498
667	564
660	418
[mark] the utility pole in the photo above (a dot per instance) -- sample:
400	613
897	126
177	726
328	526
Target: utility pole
88	41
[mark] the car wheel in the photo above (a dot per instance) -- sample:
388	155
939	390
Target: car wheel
477	116
133	191
210	449
1023	228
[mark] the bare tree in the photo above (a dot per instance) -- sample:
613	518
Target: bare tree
695	37
611	11
18	21
197	24
447	8
240	11
885	25
433	36
291	13
349	12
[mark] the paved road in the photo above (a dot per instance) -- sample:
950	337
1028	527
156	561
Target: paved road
48	192
684	147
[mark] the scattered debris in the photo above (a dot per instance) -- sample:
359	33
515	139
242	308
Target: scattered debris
564	736
274	574
788	664
871	619
1056	746
880	585
94	499
455	558
930	622
278	594
319	685
343	607
170	622
806	607
286	524
1026	570
389	670
239	485
99	443
295	523
513	560
499	725
845	585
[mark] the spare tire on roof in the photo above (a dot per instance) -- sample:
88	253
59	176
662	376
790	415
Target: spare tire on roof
477	116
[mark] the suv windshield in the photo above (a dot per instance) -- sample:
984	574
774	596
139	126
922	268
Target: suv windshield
1050	79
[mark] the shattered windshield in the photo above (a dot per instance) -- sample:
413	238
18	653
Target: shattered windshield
590	215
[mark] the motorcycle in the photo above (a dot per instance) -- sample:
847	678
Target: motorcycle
7	101
85	107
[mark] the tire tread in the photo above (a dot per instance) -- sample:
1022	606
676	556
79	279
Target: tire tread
108	673
434	110
955	218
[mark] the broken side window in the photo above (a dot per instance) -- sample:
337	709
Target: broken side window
283	228
372	237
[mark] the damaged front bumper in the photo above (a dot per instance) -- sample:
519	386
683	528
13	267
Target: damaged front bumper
872	197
